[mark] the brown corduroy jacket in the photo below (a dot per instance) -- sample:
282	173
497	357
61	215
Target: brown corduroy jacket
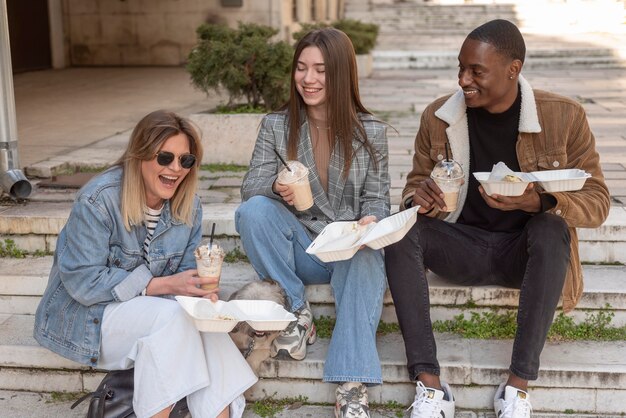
553	134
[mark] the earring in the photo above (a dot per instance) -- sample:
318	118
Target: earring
510	77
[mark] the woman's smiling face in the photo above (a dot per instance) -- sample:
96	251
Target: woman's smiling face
310	77
161	182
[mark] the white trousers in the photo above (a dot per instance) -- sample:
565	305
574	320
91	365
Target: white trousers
172	359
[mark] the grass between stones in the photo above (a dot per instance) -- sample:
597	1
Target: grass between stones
8	249
502	325
269	406
216	168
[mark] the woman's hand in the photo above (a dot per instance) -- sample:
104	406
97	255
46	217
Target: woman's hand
366	220
285	192
185	283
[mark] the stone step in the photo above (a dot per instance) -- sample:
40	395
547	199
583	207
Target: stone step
588	58
35	226
575	376
23	281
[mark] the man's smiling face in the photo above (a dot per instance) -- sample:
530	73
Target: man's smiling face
488	79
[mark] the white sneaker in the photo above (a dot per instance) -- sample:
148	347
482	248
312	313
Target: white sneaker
429	402
514	404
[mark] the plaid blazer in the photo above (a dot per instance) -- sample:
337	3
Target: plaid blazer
365	191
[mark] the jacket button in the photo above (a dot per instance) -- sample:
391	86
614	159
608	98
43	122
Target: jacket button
440	157
96	321
558	211
555	164
94	360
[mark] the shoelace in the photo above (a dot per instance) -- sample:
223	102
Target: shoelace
424	403
352	398
520	407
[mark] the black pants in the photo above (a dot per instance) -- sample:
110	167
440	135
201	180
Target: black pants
534	260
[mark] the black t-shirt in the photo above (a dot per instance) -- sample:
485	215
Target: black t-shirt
492	139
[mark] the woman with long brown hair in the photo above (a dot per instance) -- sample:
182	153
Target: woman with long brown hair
130	237
325	127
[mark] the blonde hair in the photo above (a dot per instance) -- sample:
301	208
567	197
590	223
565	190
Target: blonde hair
147	138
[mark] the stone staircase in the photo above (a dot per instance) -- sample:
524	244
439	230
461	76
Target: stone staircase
584	376
417	34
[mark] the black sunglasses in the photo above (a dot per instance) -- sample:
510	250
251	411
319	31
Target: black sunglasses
165	158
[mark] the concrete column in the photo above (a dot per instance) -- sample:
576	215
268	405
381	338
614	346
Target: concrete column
12	179
333	10
321	11
57	46
303	10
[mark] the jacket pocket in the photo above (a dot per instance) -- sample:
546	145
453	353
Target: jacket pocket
122	258
552	160
438	153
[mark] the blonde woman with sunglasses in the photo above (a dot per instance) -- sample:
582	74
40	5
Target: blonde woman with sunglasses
126	250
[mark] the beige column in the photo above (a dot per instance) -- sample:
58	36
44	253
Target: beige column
332	9
303	10
321	10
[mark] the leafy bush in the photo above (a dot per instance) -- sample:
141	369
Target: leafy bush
244	61
363	35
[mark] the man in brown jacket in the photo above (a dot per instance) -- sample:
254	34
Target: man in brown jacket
527	242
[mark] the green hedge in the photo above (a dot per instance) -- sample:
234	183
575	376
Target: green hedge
363	35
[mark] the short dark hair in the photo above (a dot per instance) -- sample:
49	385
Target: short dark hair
504	36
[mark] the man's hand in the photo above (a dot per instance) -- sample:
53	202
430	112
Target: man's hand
428	195
528	202
285	192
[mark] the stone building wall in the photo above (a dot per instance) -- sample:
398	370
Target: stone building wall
162	32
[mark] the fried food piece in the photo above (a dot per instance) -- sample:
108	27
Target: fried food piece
512	179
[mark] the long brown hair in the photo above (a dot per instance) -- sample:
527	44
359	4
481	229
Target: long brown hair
343	102
147	138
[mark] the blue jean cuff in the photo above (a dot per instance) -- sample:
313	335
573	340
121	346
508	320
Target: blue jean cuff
342	379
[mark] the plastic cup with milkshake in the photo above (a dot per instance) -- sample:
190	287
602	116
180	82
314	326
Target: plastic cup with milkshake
209	259
297	179
448	175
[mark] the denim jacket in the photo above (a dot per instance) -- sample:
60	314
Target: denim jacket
97	261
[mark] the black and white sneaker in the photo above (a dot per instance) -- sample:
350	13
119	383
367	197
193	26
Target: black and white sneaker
511	402
430	403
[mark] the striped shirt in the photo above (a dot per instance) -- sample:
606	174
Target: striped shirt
151	220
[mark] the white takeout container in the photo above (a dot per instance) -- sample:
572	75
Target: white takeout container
211	316
341	240
501	187
264	315
565	180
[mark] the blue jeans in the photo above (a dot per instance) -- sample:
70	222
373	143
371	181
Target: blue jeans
534	260
275	243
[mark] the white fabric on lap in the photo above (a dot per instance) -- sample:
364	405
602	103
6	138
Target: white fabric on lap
171	358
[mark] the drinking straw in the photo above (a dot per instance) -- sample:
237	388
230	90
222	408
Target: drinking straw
282	160
212	234
448	167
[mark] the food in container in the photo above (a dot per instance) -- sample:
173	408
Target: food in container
503	187
220	316
341	240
